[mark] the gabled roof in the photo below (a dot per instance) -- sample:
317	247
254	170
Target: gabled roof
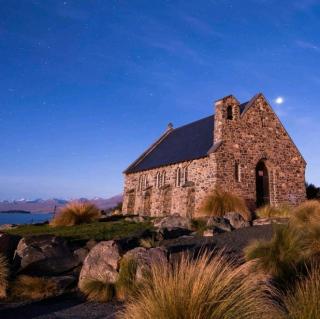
184	143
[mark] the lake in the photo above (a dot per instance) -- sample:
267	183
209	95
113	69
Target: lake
19	218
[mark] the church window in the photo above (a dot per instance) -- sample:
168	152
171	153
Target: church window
237	172
178	177
229	112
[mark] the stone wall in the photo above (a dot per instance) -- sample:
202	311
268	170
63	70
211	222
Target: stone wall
250	137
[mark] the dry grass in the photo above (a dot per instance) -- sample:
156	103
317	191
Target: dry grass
126	284
304	301
220	202
306	214
97	290
269	211
75	213
33	288
203	288
4	274
279	256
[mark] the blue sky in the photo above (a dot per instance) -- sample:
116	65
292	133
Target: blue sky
85	86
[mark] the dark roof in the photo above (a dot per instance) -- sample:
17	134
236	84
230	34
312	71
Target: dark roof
184	143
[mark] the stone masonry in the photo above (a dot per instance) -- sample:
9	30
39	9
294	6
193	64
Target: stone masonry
251	155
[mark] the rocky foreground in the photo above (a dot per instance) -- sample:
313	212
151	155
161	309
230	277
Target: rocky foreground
67	264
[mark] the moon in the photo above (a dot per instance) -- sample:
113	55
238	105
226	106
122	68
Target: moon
279	100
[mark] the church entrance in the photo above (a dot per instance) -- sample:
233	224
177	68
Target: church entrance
262	184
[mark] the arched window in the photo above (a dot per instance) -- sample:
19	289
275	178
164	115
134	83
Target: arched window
145	181
158	180
185	175
229	112
178	177
163	178
237	172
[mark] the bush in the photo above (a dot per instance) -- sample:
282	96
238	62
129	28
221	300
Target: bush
76	213
207	287
126	284
304	302
33	288
219	202
269	211
312	191
97	290
4	274
281	255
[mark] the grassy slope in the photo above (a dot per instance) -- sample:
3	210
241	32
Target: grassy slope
97	230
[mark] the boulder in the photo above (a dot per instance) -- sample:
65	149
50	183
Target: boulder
145	258
8	245
171	233
64	283
81	254
219	224
236	220
44	255
102	262
173	221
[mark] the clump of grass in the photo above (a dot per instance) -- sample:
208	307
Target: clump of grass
33	288
97	290
4	274
308	213
208	287
148	242
75	213
220	202
303	302
281	255
269	211
199	225
126	284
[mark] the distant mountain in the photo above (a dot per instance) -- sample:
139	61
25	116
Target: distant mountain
45	206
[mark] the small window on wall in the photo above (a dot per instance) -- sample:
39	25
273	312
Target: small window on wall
229	112
163	178
237	172
178	177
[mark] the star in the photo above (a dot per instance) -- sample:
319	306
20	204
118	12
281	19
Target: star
279	100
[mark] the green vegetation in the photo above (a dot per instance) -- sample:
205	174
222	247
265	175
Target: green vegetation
269	211
76	213
208	287
199	225
97	290
220	202
304	302
32	288
4	274
126	283
97	231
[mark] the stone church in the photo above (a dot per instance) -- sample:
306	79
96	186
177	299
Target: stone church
242	148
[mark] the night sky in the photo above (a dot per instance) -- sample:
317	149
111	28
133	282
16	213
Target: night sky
86	86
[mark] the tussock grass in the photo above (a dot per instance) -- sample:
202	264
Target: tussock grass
148	242
33	288
308	213
279	256
207	287
126	284
97	290
269	211
75	213
304	301
4	274
220	202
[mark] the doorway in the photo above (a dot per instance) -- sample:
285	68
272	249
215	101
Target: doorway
262	184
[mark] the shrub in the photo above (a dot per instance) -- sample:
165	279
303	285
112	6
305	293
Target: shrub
33	288
75	213
4	274
207	287
97	290
219	202
304	302
281	255
306	214
312	191
269	211
126	284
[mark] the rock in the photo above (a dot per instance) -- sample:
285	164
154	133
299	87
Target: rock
102	262
81	254
64	283
208	233
133	241
90	244
268	221
44	255
173	221
236	220
145	258
171	233
8	245
219	224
